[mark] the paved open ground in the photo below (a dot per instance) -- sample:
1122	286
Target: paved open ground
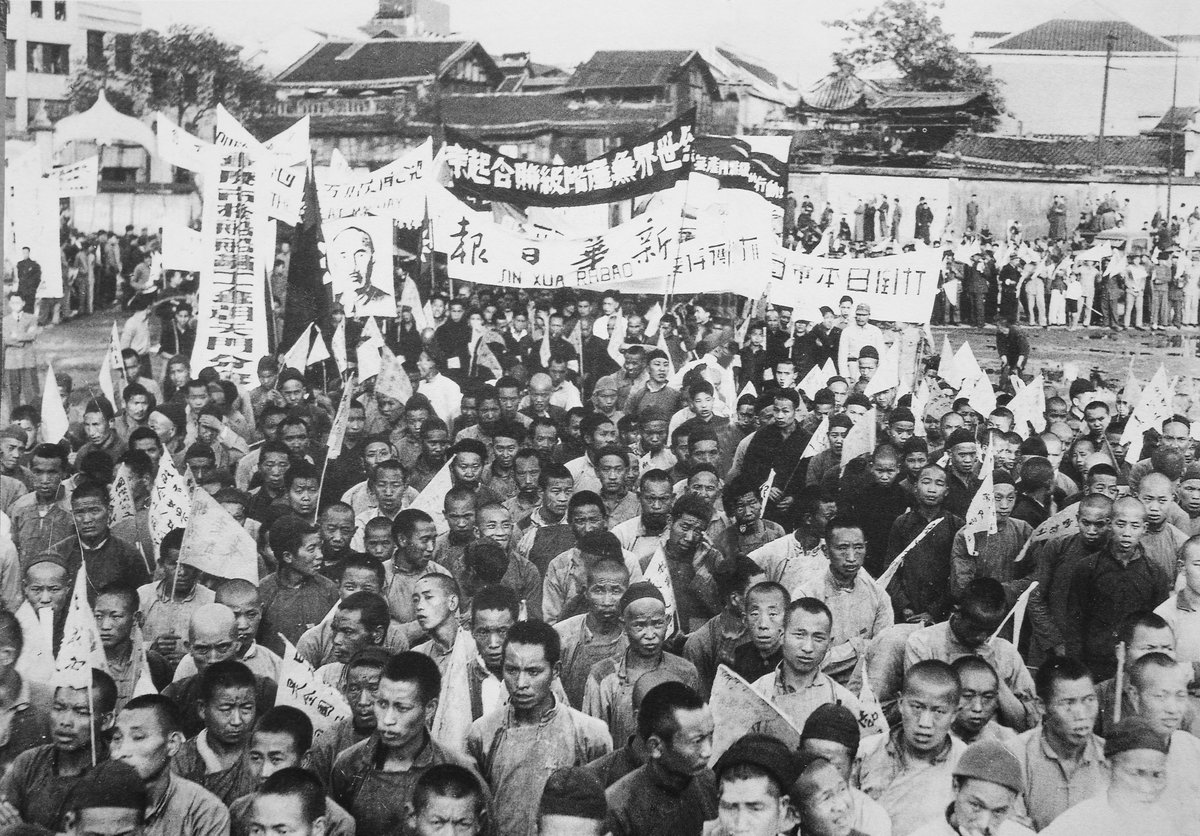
78	347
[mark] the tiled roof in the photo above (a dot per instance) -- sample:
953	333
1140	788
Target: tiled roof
1131	153
754	69
838	91
1083	36
530	114
928	100
1175	119
363	63
629	68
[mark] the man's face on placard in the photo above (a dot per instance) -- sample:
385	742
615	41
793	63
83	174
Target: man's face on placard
352	256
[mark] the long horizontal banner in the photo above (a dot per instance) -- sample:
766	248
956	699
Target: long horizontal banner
480	250
397	190
900	288
736	165
652	164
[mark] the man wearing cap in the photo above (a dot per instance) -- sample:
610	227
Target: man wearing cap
987	782
962	476
832	732
608	694
1139	775
854	337
754	777
572	804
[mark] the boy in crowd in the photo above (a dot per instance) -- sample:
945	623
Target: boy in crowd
763	617
217	758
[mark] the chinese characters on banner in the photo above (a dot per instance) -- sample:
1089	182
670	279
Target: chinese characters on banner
284	178
479	250
652	164
900	288
396	191
300	688
78	179
232	332
737	166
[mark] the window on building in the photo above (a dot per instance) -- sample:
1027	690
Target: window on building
95	50
10	113
123	53
60	10
55	109
53	59
35	8
11	55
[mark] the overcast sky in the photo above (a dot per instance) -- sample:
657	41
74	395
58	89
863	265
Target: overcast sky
788	35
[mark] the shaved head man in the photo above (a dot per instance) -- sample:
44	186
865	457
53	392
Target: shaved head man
212	635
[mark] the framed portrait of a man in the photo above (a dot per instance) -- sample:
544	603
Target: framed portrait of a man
358	257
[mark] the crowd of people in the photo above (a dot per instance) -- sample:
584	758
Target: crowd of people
647	511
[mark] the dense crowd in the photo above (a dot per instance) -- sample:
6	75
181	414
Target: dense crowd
646	510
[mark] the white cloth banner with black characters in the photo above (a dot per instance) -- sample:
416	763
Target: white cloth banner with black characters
232	331
396	191
899	288
479	250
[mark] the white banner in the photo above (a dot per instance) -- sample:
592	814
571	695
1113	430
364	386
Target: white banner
177	146
182	248
358	257
232	334
286	179
899	288
479	250
300	688
78	179
396	191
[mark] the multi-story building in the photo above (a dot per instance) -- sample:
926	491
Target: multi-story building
47	39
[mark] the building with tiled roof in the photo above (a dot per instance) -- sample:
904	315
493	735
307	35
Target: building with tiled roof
1053	72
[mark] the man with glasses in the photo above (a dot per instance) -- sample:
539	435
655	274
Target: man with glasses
1062	759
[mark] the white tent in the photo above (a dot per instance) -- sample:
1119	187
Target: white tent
103	124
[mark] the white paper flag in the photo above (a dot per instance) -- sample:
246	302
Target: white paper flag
432	500
1156	404
55	425
819	442
860	439
121	506
337	433
658	574
300	688
981	515
170	501
216	543
1029	407
81	649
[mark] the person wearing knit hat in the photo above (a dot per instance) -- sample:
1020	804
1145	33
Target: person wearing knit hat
754	776
110	799
962	475
1138	778
987	781
572	804
608	694
832	732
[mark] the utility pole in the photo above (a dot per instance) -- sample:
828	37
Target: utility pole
3	144
1171	135
1110	40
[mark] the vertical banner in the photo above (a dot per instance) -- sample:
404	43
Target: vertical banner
232	310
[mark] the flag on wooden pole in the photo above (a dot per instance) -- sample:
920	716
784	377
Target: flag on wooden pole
296	357
392	381
319	352
1155	405
432	500
216	543
452	719
369	347
309	296
81	649
1029	408
764	493
658	574
337	432
981	515
121	506
338	345
740	710
819	442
